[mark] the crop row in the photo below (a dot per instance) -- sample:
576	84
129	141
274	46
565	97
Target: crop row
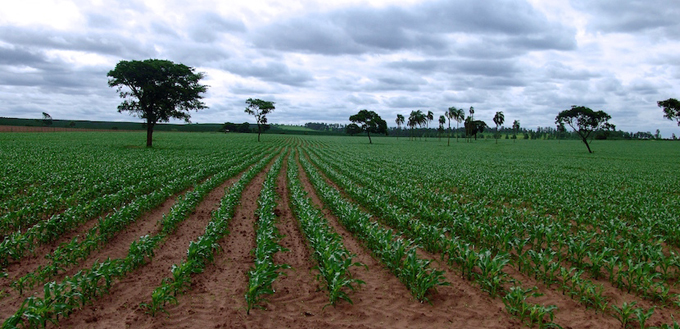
201	252
435	221
33	205
397	254
16	245
61	299
43	180
542	263
267	237
633	267
334	260
79	248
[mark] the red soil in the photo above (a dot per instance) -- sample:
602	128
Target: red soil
216	298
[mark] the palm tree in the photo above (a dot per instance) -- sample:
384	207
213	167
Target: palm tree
515	127
459	116
399	121
442	121
498	119
430	117
450	115
416	118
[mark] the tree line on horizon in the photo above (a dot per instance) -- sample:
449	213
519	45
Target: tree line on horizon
158	90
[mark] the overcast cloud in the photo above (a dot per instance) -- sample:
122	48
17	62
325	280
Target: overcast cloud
325	60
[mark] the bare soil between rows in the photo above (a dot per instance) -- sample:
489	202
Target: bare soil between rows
216	298
570	313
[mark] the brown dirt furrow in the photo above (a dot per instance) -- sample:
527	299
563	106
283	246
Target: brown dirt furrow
386	302
120	308
570	313
216	298
116	248
32	262
298	292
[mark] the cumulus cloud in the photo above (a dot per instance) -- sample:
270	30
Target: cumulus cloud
632	16
324	61
423	28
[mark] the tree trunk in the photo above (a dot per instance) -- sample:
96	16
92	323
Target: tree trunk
588	146
258	132
456	132
369	137
149	133
448	140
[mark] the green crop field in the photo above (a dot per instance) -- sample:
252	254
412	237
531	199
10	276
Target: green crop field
553	234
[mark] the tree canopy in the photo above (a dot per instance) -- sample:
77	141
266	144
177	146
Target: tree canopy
157	90
399	121
416	118
671	109
370	122
259	109
584	121
515	127
454	114
498	119
46	119
473	127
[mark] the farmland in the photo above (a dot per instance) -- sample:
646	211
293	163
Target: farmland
308	231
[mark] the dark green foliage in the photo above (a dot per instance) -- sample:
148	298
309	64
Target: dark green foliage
473	127
671	109
370	122
584	121
498	119
157	90
259	109
47	119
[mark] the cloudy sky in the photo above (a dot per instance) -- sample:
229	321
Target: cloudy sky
324	60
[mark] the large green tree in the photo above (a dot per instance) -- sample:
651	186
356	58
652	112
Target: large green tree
473	127
584	121
671	109
498	119
370	122
157	90
259	109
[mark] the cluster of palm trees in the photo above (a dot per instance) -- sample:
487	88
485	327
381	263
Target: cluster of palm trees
420	119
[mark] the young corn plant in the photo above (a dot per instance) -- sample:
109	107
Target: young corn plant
159	298
413	272
532	314
334	261
492	278
624	313
265	271
202	251
643	316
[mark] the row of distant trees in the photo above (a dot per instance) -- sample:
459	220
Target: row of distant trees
158	90
585	123
527	133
